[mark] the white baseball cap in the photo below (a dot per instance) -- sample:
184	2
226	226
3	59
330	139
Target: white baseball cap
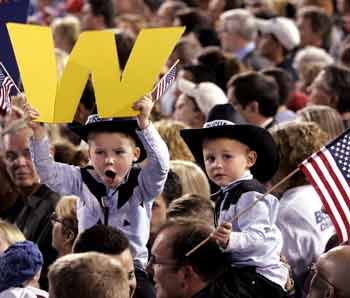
283	29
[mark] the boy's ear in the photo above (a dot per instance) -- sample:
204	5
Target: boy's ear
251	158
136	153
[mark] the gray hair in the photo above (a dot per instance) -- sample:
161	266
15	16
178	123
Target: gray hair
312	55
240	21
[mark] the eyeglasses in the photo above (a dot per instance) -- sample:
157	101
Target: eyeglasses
153	261
12	156
54	218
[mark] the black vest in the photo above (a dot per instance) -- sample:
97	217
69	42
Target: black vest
232	195
99	190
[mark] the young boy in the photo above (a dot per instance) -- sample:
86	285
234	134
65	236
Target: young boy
111	191
232	154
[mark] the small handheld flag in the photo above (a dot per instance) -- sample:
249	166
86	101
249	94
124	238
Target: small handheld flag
6	83
165	81
328	170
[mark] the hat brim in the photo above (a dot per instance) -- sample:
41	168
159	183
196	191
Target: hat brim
256	138
126	126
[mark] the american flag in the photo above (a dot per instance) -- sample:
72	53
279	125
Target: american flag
6	83
165	82
328	170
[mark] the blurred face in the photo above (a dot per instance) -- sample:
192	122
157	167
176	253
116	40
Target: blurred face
168	277
125	258
112	155
58	238
18	159
164	16
267	46
228	39
319	93
3	242
226	160
88	19
307	37
159	208
187	112
245	112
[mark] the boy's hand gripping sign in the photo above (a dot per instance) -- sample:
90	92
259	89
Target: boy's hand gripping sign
95	53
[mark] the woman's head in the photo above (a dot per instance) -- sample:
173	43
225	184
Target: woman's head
327	118
193	179
65	224
296	141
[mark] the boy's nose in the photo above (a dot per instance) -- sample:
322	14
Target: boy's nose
109	160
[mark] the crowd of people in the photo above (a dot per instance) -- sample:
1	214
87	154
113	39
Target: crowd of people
173	203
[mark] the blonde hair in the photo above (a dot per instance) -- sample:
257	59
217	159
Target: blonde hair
68	28
169	130
10	232
327	118
66	209
192	177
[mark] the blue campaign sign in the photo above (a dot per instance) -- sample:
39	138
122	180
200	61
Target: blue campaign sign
11	11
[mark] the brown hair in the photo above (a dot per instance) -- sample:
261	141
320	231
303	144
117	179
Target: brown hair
88	275
296	141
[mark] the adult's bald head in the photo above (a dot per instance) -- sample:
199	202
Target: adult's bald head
331	274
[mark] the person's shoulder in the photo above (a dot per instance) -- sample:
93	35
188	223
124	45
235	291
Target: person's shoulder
17	292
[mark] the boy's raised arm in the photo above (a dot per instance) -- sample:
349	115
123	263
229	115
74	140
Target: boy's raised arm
61	178
154	173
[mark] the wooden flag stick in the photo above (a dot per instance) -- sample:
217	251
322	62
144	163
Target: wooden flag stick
2	65
175	63
238	215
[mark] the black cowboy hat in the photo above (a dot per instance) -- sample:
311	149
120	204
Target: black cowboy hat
255	137
94	123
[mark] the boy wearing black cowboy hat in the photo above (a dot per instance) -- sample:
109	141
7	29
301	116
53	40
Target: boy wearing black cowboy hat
111	190
232	154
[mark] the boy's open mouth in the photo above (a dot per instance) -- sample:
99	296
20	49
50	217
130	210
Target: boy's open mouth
110	174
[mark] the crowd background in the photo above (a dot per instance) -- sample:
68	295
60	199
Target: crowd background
279	64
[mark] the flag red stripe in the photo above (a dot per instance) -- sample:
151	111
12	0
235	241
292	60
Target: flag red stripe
332	194
335	177
324	200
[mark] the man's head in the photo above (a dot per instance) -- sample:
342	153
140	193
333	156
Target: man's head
98	14
331	274
178	276
18	159
315	27
192	206
110	241
237	27
284	81
279	36
88	275
255	96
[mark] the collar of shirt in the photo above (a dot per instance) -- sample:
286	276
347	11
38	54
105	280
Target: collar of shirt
246	176
243	52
